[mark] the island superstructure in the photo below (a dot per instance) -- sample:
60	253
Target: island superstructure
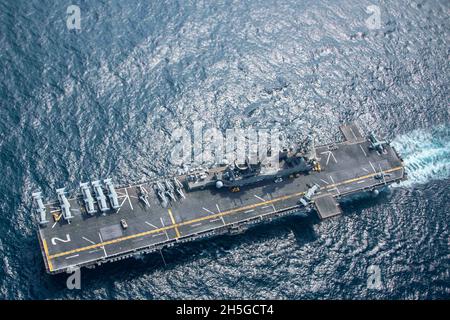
105	223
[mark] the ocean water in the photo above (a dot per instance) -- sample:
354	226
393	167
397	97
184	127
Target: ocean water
102	102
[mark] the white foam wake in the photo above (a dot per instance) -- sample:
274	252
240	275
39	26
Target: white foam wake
426	154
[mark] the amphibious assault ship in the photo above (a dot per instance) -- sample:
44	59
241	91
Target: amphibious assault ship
105	223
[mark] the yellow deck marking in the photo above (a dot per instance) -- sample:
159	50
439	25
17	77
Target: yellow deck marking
174	223
57	217
217	215
49	261
331	186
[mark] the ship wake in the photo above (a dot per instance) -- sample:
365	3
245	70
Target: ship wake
426	155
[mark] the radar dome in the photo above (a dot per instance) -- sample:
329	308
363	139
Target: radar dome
219	184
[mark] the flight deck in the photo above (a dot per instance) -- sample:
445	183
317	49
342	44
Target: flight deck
115	223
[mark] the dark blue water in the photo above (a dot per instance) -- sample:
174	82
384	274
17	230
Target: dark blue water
102	101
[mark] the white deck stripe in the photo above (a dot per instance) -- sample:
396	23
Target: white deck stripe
209	211
92	242
259	198
74	256
101	240
221	217
151	225
365	154
125	199
165	231
332	181
131	206
353	133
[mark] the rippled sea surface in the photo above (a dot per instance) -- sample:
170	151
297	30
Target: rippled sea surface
102	102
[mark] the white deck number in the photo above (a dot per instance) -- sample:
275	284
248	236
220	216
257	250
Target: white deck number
54	239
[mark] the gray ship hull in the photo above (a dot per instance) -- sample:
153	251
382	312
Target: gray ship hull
347	168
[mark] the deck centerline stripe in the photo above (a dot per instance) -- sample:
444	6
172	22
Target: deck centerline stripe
220	214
